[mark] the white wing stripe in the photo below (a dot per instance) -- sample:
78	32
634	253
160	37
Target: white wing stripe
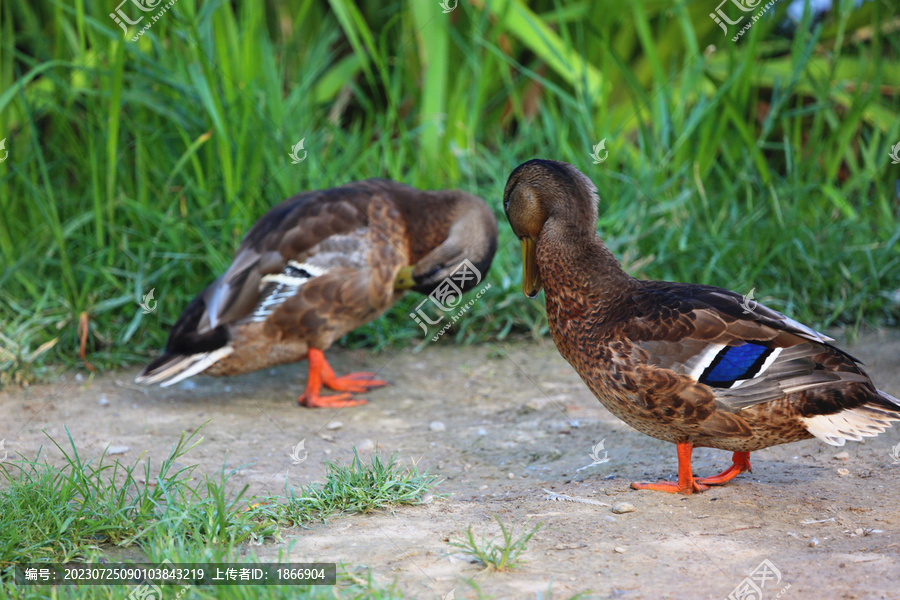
696	365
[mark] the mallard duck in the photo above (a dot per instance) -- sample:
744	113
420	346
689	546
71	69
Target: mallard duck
317	266
695	365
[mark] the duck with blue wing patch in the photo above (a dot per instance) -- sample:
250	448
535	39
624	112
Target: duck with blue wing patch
690	364
317	266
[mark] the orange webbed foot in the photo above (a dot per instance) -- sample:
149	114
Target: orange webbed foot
740	462
334	401
320	373
672	487
354	382
686	483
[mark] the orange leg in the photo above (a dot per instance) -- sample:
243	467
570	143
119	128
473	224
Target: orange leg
686	482
320	373
740	462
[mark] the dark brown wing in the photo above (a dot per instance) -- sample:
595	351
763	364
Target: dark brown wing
345	297
745	352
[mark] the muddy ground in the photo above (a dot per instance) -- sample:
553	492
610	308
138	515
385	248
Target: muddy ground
512	421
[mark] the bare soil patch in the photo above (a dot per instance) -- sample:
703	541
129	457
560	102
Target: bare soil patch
501	424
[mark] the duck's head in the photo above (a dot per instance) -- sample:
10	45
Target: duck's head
467	233
542	193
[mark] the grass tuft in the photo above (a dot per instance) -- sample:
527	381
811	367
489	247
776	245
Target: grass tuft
358	488
500	554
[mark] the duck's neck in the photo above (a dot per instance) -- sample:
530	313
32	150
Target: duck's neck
581	277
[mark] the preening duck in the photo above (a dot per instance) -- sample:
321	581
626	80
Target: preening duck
317	266
695	365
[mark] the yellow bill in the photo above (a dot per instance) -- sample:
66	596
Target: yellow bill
404	280
531	278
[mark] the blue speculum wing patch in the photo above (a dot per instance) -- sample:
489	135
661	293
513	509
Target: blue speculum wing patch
734	363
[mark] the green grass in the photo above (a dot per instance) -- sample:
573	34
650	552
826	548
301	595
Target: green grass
86	510
500	554
760	164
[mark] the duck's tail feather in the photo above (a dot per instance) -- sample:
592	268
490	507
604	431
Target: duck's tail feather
853	424
171	368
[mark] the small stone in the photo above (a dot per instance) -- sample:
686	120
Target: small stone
334	425
103	401
510	476
813	543
437	426
187	384
621	508
227	388
273	372
117	450
842	456
859	531
843	472
367	444
79	377
620	550
482	431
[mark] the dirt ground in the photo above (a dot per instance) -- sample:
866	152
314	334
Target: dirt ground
501	424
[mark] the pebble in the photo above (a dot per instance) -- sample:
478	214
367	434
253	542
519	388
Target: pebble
103	401
813	543
858	531
79	377
117	450
843	472
482	431
623	507
842	456
367	444
510	476
620	550
437	426
187	384
334	425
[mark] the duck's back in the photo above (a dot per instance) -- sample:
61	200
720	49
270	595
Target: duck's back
314	267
